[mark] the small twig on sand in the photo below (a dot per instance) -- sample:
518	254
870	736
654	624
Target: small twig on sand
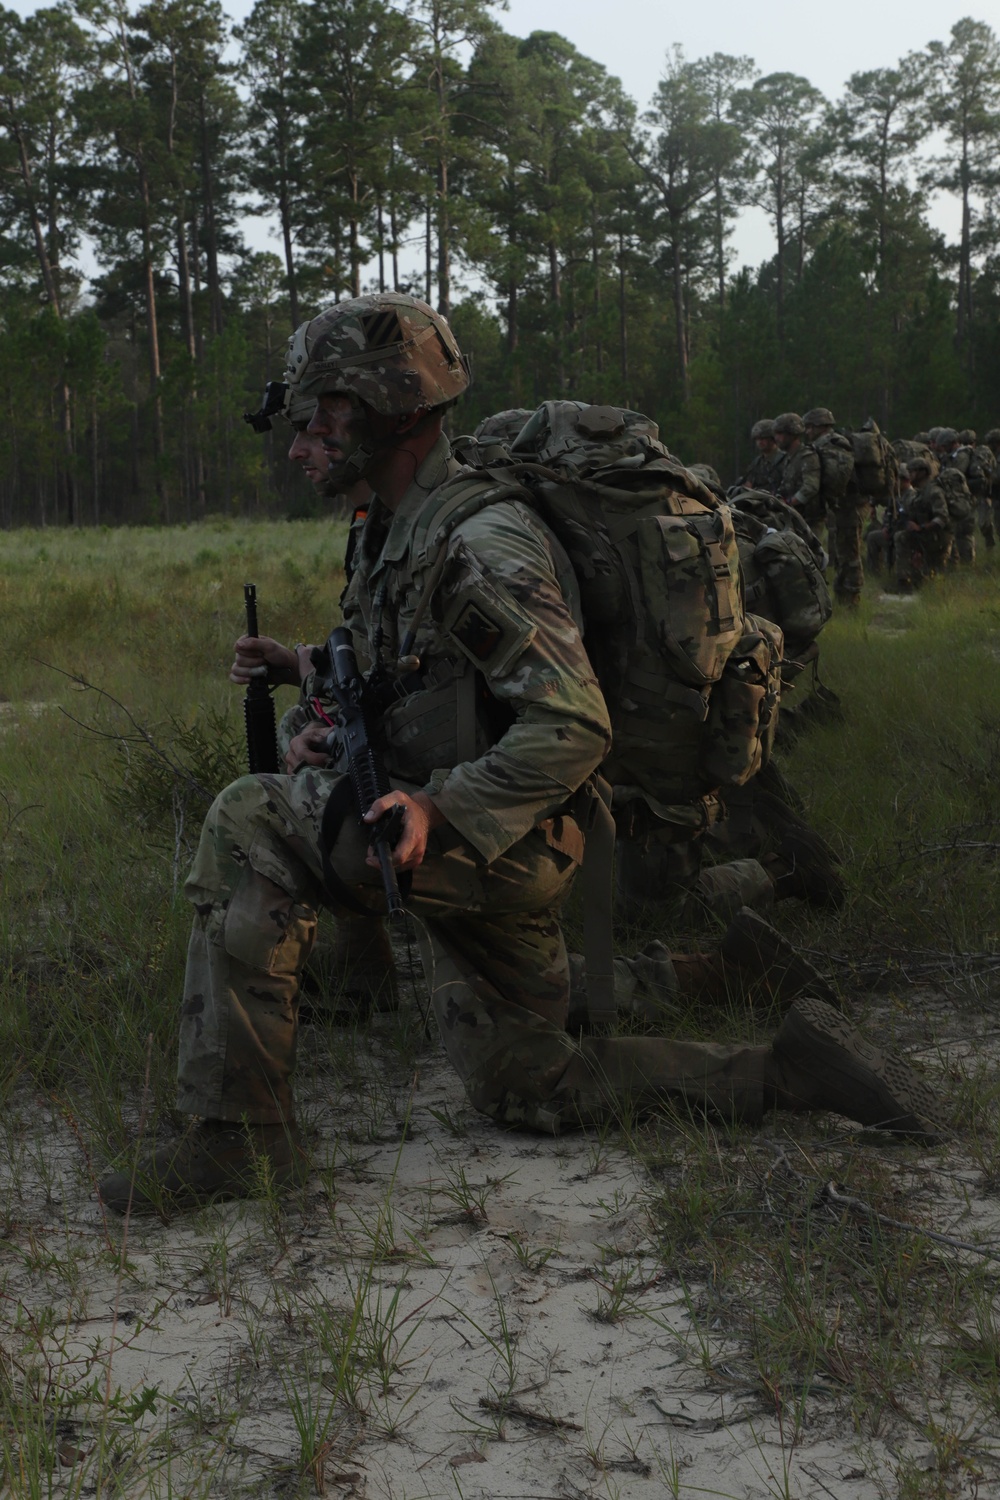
525	1414
829	1193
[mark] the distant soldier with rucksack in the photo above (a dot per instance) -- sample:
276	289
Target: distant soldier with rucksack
841	501
922	537
766	469
801	478
979	477
992	443
958	465
879	538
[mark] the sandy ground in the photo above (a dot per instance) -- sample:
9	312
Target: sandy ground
445	1310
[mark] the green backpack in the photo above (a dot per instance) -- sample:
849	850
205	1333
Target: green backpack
782	574
876	468
956	492
691	680
836	466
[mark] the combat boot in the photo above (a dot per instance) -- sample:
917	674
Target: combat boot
762	954
805	866
819	1061
213	1159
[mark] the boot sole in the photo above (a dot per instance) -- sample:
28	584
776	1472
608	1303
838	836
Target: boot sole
856	1078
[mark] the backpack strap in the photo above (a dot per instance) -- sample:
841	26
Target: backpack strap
597	885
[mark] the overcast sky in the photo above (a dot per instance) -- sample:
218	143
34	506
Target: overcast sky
826	43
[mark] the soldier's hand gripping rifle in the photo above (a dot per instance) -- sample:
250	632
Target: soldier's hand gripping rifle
339	677
258	705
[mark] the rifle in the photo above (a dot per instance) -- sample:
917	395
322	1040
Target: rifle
258	705
342	680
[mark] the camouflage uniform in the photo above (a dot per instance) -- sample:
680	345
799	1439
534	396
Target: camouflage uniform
765	473
844	517
918	553
504	668
961	507
801	483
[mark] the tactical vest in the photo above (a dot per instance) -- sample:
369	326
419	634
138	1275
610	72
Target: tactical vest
440	714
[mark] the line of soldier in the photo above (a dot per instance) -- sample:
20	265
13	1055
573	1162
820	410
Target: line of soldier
934	489
468	618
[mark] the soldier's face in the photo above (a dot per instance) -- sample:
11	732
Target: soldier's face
765	445
784	440
307	450
345	428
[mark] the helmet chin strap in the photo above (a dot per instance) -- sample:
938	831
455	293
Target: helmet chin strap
361	457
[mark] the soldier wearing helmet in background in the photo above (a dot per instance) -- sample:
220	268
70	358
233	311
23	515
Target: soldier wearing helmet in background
957	466
464	615
801	476
979	476
841	500
991	443
922	536
765	471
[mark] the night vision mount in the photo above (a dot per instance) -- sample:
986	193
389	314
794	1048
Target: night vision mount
272	405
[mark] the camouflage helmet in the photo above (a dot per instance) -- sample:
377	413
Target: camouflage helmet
762	429
790	422
967	435
820	416
504	425
934	434
946	437
920	465
389	350
922	437
992	438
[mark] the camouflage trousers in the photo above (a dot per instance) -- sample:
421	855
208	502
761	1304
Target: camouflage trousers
844	544
963	549
918	554
986	517
652	872
493	954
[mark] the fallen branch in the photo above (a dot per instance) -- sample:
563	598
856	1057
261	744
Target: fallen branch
525	1414
829	1193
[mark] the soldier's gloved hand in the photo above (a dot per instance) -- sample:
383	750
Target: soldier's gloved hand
307	749
420	815
260	656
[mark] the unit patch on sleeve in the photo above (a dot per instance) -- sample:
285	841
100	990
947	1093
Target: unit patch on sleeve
482	618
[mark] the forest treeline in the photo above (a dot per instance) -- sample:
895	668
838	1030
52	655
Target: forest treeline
596	233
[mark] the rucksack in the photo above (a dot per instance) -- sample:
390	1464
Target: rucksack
956	492
779	516
906	450
691	680
876	468
783	581
836	464
982	467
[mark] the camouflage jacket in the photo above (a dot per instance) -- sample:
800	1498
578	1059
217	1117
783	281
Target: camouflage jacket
927	504
801	479
504	719
765	473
